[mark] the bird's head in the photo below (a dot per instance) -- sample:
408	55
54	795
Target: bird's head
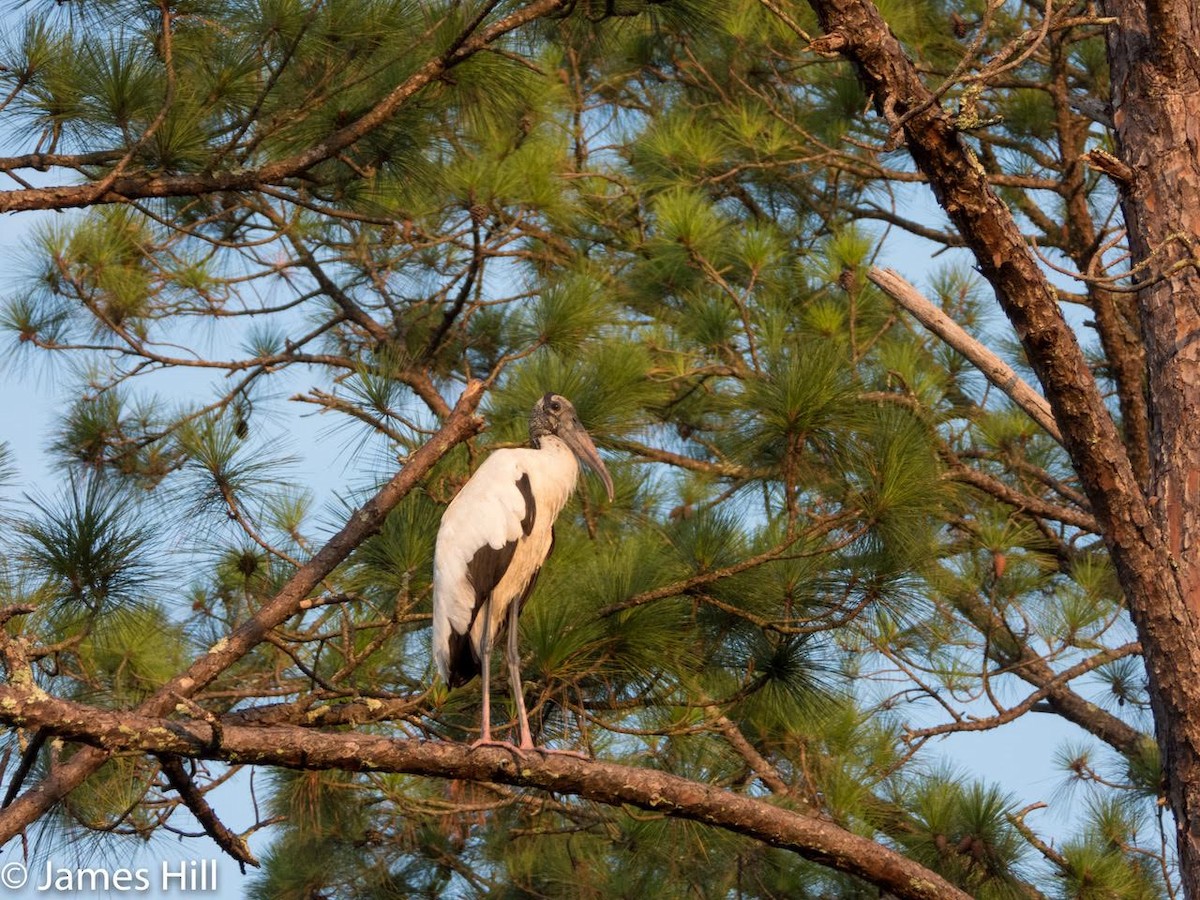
554	414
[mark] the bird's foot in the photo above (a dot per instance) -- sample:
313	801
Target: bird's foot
516	751
519	751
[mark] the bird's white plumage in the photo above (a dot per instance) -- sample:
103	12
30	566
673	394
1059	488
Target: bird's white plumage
489	511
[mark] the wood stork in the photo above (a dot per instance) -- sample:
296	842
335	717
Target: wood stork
494	538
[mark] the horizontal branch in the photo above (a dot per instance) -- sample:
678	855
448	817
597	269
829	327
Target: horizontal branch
602	782
42	162
718	468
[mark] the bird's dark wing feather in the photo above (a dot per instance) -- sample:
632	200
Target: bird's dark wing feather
484	571
530	516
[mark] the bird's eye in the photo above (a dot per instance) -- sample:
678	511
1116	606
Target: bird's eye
555	406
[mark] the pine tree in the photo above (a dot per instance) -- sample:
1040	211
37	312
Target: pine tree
837	535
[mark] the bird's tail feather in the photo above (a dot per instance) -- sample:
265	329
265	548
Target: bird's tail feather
464	664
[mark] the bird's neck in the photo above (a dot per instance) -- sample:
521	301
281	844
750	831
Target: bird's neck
553	445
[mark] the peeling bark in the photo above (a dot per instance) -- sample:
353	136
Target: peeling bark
993	368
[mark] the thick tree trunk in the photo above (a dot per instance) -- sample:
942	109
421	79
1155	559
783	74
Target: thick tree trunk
1154	542
1155	63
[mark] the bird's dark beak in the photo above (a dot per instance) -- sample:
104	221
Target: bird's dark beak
581	443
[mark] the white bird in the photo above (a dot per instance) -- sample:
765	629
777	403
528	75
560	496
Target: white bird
494	538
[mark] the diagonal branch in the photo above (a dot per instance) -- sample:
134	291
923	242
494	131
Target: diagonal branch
686	585
1014	498
992	367
856	29
227	840
328	286
1052	686
1156	598
291	599
1013	651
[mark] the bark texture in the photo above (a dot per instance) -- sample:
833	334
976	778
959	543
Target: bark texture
1154	57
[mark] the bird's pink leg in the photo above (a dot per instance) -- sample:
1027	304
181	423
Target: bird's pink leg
485	736
514	680
514	676
485	659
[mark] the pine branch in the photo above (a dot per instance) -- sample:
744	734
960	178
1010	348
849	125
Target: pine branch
330	288
43	161
856	30
28	758
1025	467
309	714
708	467
704	578
1048	688
1014	498
759	764
473	274
137	187
1031	667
